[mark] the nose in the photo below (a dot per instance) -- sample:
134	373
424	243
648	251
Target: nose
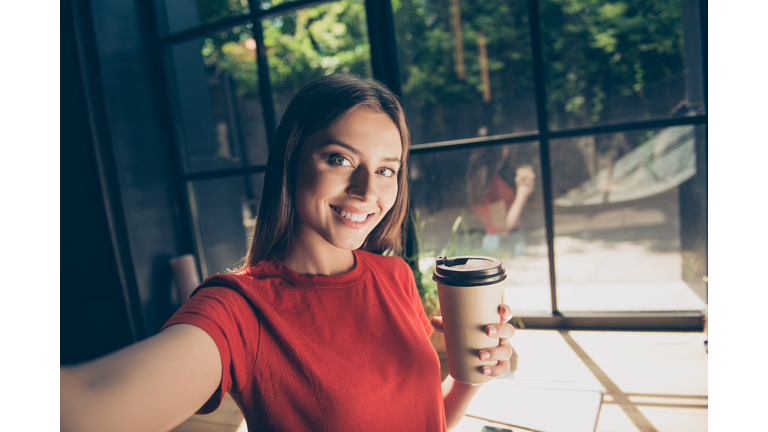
362	185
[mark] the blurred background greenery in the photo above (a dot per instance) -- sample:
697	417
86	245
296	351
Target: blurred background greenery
598	55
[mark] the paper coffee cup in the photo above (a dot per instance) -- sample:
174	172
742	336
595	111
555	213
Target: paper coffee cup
470	290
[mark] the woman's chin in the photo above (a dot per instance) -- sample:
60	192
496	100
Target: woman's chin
346	244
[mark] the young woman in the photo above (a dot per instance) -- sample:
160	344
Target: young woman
496	204
318	330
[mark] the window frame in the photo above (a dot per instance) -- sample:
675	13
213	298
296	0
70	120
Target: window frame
386	68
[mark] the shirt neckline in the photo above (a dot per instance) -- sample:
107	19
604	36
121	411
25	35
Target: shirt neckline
317	281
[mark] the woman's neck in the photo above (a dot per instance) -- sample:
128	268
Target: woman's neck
317	260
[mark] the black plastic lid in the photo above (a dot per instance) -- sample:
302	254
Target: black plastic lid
484	271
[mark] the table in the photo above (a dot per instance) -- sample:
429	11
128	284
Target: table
535	405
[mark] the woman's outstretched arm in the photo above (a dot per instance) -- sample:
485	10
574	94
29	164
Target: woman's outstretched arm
456	398
525	185
152	385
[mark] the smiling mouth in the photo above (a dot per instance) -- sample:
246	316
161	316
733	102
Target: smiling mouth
354	217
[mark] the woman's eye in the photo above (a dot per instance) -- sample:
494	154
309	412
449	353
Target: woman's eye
339	160
386	172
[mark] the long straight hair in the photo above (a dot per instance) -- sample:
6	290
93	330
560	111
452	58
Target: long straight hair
316	107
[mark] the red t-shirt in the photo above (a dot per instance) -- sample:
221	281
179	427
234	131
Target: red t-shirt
322	353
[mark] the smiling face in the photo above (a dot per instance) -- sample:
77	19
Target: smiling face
346	180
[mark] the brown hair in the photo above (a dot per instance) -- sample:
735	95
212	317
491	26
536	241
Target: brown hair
315	107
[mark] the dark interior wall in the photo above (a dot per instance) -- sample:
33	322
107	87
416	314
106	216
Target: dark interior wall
94	317
134	101
120	211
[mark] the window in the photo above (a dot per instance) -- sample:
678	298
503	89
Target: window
232	68
566	137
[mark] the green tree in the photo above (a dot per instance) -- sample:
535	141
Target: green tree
317	41
301	46
594	51
595	48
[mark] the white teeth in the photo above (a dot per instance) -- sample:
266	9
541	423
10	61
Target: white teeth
354	217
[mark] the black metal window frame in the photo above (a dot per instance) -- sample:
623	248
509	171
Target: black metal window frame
386	68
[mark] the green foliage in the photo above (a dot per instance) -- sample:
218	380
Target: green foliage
318	41
424	284
228	51
301	46
425	39
460	240
592	49
210	11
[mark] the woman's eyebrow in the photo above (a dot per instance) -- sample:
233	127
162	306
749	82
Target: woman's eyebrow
355	151
392	159
341	144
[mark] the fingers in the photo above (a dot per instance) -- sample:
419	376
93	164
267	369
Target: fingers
501	369
437	323
506	313
502	352
503	330
526	180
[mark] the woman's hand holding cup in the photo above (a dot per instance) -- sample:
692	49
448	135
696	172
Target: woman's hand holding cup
503	331
501	353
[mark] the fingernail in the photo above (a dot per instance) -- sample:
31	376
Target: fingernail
486	371
485	355
492	330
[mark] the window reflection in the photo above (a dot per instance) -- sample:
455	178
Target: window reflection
486	201
226	210
618	201
186	14
218	101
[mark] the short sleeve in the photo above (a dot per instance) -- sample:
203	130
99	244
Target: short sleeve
233	323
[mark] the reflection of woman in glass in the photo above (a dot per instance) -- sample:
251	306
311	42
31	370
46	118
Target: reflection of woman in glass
496	204
317	331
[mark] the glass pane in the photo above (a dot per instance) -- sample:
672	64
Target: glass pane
226	210
187	14
630	221
485	201
218	105
621	62
466	68
313	42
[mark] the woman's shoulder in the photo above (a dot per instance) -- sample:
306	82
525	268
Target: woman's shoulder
222	287
225	280
239	282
